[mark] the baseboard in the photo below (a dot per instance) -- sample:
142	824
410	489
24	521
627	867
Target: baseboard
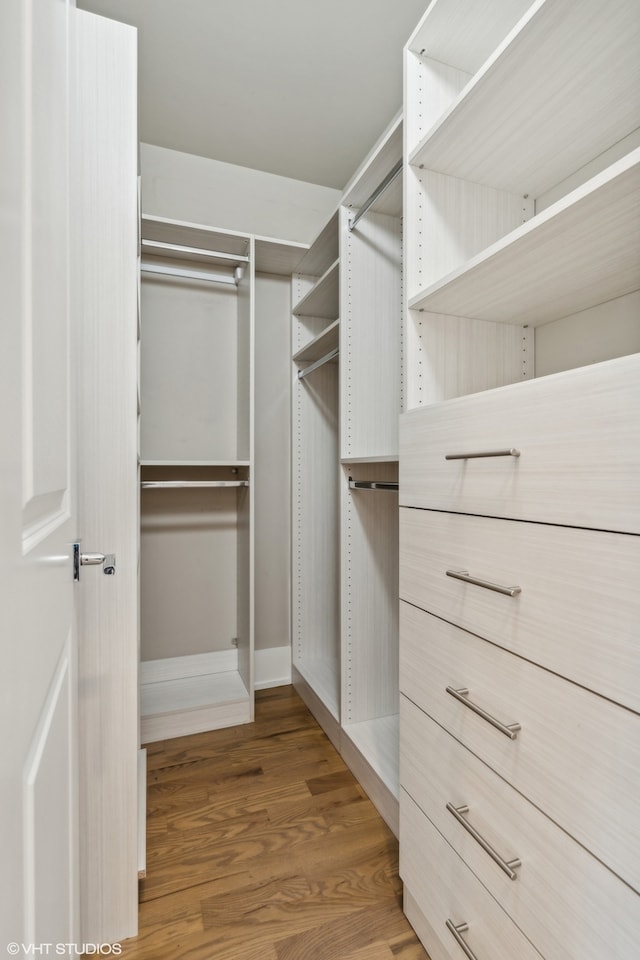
272	667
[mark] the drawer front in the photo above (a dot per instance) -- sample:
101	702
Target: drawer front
440	885
578	434
557	888
578	612
576	756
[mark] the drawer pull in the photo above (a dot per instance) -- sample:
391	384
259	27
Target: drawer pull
507	866
462	693
496	587
456	930
512	452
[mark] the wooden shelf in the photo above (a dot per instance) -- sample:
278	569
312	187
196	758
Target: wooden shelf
323	678
380	162
463	34
323	299
581	251
565	82
280	257
377	740
322	344
196	235
323	251
194	463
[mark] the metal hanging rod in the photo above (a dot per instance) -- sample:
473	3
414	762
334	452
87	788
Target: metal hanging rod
388	180
318	363
154	246
193	274
180	484
372	485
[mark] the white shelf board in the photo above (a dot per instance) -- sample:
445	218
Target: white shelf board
187	234
378	742
323	298
281	257
381	160
195	463
581	251
324	679
191	693
565	83
323	251
322	344
464	34
385	458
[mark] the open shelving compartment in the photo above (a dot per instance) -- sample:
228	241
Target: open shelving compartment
196	501
315	515
536	174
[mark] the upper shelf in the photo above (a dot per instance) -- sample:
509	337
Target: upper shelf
565	83
464	34
581	251
381	160
194	235
323	299
280	257
323	251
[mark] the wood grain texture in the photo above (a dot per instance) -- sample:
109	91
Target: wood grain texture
577	756
263	846
559	885
579	443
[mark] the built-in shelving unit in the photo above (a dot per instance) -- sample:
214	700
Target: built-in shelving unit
522	263
196	496
347	346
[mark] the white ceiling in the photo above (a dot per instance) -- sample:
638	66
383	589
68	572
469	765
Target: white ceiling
300	88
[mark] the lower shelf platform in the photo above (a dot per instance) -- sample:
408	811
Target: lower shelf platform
185	703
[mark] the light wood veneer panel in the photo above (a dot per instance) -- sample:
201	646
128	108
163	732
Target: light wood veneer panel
577	756
560	887
579	444
442	887
579	609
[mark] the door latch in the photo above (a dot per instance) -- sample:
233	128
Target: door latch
106	560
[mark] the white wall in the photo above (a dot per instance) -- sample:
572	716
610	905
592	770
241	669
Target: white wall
184	187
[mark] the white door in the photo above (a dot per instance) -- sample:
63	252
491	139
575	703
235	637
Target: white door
68	675
38	872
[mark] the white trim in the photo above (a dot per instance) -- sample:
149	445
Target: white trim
272	667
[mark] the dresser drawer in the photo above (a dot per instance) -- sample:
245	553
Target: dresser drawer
576	756
578	435
562	898
440	887
578	612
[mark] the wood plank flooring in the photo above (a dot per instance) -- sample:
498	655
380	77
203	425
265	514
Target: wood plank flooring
261	845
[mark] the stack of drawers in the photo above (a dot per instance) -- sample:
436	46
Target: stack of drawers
520	669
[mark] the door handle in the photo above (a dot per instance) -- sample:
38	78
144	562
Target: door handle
106	560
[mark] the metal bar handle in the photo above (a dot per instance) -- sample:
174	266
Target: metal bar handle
178	484
461	694
456	930
496	587
511	452
507	866
373	485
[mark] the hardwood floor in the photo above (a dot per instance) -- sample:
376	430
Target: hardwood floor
261	845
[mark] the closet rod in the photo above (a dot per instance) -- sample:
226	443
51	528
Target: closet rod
157	245
372	485
388	180
170	484
318	363
193	274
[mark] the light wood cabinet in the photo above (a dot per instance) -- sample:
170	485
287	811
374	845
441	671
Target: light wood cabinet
204	530
347	394
518	489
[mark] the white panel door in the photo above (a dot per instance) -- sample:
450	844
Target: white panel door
38	875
